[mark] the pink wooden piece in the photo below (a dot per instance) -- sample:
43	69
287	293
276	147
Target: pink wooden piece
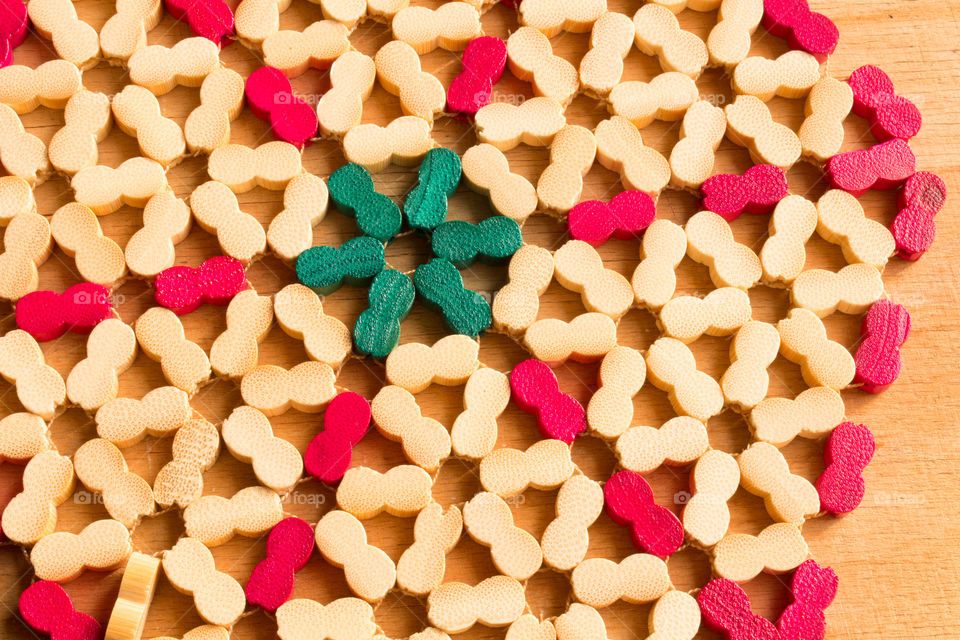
483	62
210	19
920	200
874	98
813	589
626	216
47	608
536	391
885	328
847	453
883	166
183	289
289	546
47	315
756	192
13	28
345	422
726	609
629	501
803	29
271	99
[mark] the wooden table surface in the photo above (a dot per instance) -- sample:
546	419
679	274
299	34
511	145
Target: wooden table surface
897	556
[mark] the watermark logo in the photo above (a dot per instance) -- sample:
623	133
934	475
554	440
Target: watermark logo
86	497
716	99
516	501
897	499
516	99
86	297
310	499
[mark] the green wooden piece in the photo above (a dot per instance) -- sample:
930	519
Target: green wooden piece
440	287
355	262
438	178
377	331
492	241
353	194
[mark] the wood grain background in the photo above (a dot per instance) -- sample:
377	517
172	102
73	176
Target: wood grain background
897	556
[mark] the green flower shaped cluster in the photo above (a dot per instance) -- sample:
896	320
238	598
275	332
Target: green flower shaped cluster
362	260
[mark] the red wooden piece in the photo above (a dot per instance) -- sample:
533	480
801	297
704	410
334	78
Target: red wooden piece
210	19
483	62
920	200
874	98
46	607
756	192
726	609
13	28
345	422
536	391
47	315
215	281
883	166
885	328
813	589
803	29
629	500
289	546
626	216
271	99
847	453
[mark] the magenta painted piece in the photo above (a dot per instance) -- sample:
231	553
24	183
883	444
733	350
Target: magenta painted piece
536	391
756	192
883	166
270	97
47	315
289	546
13	28
803	29
345	422
216	281
913	228
626	216
483	62
846	454
874	98
884	330
813	589
654	529
210	19
726	609
46	607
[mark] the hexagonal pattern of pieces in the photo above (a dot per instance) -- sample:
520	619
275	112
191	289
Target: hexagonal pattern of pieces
579	375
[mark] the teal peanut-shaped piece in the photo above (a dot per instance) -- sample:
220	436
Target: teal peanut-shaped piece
440	287
438	178
492	241
355	262
353	194
377	331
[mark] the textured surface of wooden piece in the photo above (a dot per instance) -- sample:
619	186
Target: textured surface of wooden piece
900	488
47	608
289	546
369	571
62	556
137	587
